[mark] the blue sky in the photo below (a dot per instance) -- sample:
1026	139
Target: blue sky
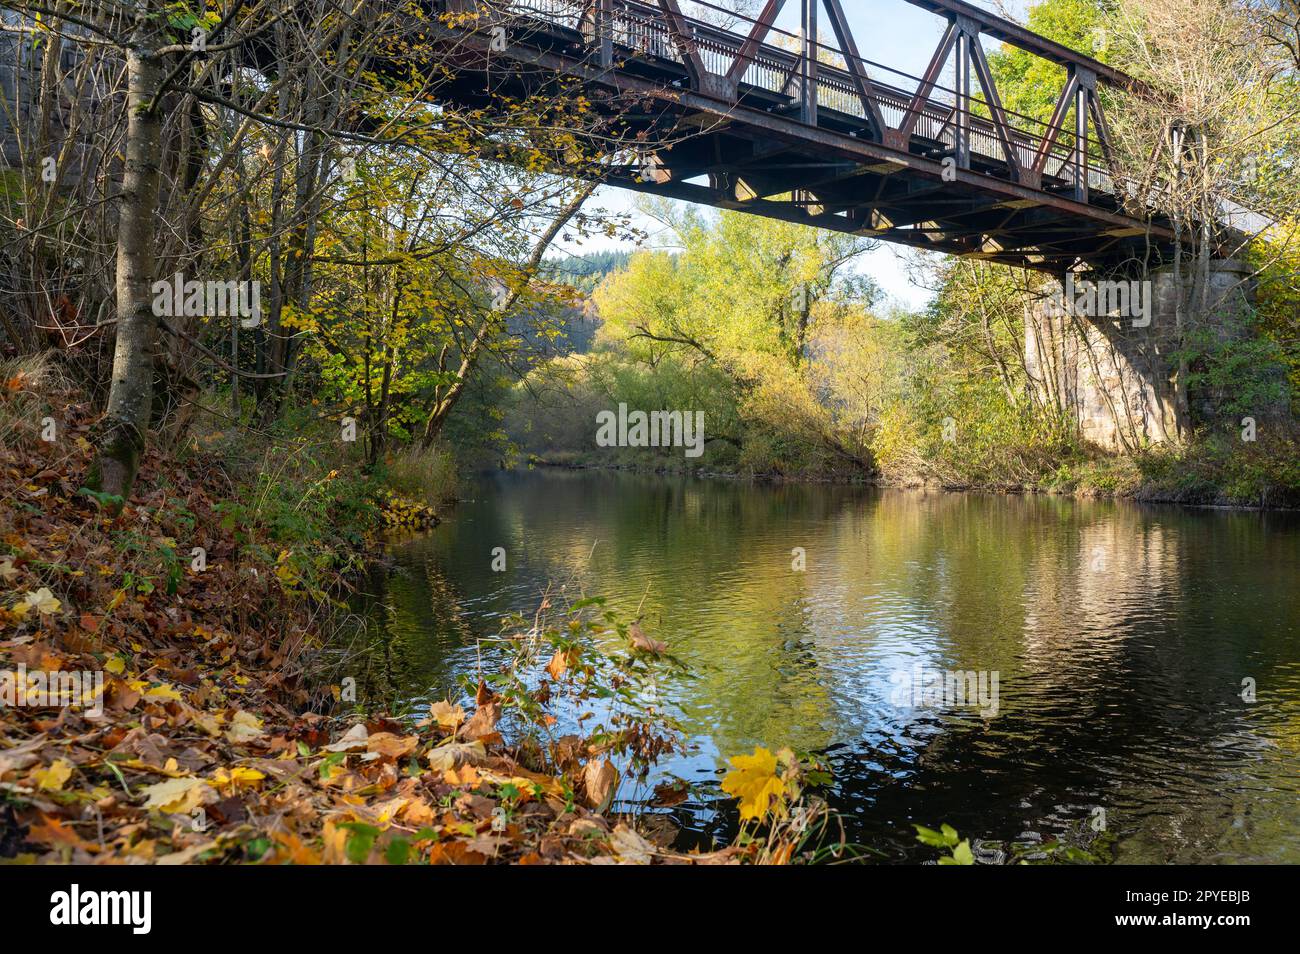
892	32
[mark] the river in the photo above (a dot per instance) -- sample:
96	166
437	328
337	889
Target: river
1147	659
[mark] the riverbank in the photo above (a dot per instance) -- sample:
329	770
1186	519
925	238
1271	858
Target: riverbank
167	696
1210	472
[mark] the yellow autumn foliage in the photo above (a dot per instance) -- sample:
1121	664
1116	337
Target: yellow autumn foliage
755	781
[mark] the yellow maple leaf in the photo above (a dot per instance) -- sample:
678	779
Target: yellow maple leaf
754	781
51	779
116	665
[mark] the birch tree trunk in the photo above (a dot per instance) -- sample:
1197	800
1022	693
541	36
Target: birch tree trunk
123	429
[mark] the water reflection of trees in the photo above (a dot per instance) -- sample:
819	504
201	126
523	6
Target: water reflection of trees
1120	633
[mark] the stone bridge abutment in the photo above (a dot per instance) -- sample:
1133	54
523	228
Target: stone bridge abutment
1106	352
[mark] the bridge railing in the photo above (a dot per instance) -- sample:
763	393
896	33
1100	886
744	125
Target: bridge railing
640	29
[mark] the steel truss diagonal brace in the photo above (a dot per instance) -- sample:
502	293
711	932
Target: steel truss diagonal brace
685	41
762	26
861	81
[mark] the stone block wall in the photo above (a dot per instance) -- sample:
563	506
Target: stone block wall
1113	376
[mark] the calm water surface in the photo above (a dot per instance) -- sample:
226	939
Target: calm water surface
1121	635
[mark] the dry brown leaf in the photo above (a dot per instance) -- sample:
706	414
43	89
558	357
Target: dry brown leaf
600	779
630	847
558	665
483	722
20	756
452	755
447	715
392	746
645	643
244	727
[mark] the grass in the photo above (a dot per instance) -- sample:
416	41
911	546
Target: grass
425	475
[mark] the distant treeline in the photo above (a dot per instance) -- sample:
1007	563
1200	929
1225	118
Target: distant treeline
585	272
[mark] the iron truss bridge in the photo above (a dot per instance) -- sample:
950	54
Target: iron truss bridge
773	122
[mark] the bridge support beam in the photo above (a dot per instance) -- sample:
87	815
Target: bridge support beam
808	64
1113	374
961	122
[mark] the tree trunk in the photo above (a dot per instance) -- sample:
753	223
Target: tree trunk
123	429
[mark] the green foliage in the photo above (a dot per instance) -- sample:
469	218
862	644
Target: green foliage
742	285
1277	296
946	837
961	411
1221	468
1232	377
729	325
303	507
967	432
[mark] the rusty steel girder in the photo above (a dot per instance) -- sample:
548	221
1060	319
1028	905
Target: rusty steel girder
806	132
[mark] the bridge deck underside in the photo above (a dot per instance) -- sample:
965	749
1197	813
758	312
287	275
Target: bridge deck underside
754	153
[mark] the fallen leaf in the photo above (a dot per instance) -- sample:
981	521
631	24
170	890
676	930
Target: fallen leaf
754	781
51	779
630	847
187	855
454	853
54	832
643	642
467	776
600	779
178	796
164	691
42	601
237	777
483	722
21	756
391	746
354	740
452	755
244	727
447	715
